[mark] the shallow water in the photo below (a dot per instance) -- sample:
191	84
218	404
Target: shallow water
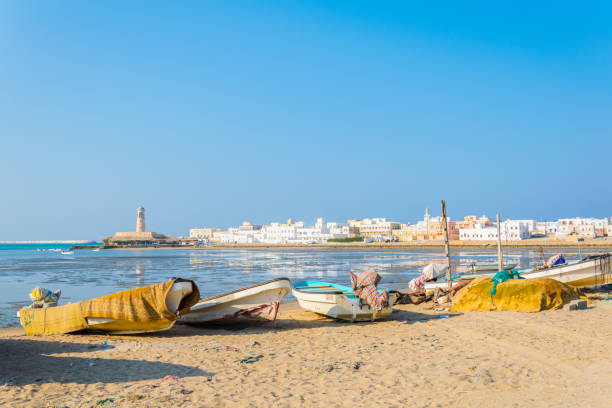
87	274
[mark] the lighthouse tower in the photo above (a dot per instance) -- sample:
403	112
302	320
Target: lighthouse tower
140	220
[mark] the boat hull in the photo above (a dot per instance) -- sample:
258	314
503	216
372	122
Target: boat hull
141	310
340	305
257	303
593	272
589	272
120	327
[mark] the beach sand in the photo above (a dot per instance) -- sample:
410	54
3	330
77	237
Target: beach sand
412	358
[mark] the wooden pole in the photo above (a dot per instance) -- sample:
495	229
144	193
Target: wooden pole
500	254
543	256
446	246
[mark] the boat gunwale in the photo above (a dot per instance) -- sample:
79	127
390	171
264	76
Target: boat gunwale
242	289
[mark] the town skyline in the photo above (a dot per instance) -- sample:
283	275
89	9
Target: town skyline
430	228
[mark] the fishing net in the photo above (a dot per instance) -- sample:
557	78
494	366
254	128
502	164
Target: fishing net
145	306
603	267
522	295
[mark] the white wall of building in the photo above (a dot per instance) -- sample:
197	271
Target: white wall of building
202	233
277	233
515	230
547	227
583	227
511	230
478	234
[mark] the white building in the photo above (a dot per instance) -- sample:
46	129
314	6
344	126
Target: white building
376	227
531	225
202	233
511	230
277	233
240	236
515	230
583	227
478	233
321	232
289	233
338	228
547	227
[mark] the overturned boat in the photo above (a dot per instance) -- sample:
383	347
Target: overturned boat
338	302
141	310
256	303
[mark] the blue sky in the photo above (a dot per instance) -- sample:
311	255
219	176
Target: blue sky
209	113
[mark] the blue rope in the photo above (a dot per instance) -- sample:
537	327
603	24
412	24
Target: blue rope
500	277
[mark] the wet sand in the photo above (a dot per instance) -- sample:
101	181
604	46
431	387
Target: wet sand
412	358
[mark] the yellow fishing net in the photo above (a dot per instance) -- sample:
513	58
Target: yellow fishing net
142	308
522	295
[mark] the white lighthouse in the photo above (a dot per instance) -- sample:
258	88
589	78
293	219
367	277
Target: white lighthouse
140	219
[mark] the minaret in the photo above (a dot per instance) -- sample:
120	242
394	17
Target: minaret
426	219
140	220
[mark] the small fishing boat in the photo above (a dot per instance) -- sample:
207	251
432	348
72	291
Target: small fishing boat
337	301
594	270
256	303
67	252
141	310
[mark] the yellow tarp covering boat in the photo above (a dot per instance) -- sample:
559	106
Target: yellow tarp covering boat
522	295
146	309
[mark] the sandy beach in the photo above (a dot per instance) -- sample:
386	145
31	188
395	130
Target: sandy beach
415	357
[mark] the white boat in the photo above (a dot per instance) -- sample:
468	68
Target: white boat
594	270
96	250
337	301
257	303
67	252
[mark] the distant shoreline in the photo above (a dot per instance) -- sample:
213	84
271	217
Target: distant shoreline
56	242
527	244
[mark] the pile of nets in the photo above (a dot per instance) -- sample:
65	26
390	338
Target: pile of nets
522	295
42	297
431	272
365	286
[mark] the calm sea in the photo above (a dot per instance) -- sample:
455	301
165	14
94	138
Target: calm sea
87	274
